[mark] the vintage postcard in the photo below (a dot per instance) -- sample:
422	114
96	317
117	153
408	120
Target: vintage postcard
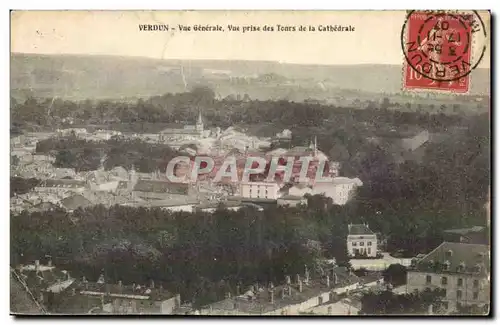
250	163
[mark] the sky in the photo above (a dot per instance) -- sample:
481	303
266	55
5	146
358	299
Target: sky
375	39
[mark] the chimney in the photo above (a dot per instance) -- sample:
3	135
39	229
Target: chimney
430	310
120	286
271	296
328	281
334	276
289	290
152	284
133	287
298	278
49	262
37	266
238	289
73	291
306	281
300	286
68	277
283	293
288	280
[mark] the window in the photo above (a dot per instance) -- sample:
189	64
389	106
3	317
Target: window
475	295
459	294
354	243
445	292
428	279
476	283
361	243
445	305
369	250
444	280
369	243
460	282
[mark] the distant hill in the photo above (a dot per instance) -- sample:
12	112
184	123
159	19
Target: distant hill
81	77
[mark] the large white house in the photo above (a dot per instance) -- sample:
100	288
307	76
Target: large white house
361	241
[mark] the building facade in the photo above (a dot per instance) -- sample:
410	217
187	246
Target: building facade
259	190
462	270
361	241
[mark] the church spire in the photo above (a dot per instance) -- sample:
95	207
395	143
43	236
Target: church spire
315	145
200	120
199	123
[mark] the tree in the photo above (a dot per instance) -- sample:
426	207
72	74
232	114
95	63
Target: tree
202	95
395	274
385	103
14	160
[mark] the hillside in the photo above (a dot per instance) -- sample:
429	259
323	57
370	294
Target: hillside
82	77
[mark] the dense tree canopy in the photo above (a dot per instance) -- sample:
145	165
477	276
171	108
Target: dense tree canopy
188	252
82	155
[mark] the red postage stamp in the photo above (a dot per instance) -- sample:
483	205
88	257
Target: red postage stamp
437	46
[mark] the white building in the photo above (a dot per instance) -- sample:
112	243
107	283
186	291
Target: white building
300	190
361	241
340	189
462	270
259	190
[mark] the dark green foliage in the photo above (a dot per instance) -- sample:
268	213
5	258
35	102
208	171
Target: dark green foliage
190	253
19	185
387	303
395	274
82	155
